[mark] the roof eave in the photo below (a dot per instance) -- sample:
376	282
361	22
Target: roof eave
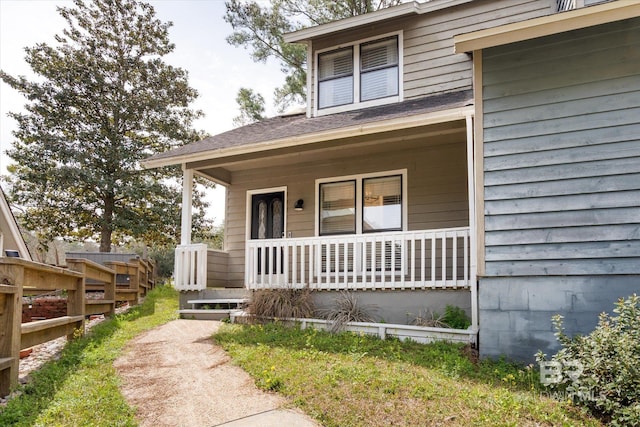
414	7
302	36
347	132
547	25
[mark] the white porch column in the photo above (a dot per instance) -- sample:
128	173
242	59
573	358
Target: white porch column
473	244
187	199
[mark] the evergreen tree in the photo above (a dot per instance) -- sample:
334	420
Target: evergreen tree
103	100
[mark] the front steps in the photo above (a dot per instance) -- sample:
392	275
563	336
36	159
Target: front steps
213	303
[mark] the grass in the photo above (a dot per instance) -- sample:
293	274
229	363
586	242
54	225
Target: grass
81	388
355	380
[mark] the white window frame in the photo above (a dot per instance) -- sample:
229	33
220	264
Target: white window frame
357	104
358	178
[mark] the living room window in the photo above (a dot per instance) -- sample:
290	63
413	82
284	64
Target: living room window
362	203
363	74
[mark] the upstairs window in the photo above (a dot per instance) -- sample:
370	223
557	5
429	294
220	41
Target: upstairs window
379	69
365	74
335	78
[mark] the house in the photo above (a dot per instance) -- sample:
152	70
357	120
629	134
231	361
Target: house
412	179
559	172
11	240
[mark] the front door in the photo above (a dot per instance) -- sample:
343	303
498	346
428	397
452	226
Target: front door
267	222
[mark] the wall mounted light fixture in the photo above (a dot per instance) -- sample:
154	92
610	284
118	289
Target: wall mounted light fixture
299	205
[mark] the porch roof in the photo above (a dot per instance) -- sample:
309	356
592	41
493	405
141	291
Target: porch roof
297	129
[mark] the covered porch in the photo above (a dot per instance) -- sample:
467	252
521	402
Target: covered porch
385	208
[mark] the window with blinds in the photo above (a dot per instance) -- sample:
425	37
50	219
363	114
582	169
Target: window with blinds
379	69
364	74
335	78
382	203
338	208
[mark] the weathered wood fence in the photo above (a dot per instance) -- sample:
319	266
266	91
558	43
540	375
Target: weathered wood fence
120	281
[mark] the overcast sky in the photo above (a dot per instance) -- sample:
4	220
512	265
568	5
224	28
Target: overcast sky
216	69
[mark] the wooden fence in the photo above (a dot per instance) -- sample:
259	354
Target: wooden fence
120	281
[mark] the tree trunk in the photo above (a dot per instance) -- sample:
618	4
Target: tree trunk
107	224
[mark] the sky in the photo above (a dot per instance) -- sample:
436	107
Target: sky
216	69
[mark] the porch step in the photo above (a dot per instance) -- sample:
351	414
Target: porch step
219	303
208	314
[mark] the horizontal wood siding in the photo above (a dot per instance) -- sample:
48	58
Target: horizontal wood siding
436	178
430	64
217	266
562	153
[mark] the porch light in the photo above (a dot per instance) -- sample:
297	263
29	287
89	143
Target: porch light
299	205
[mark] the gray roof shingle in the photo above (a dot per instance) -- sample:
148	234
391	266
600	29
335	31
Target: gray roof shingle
282	127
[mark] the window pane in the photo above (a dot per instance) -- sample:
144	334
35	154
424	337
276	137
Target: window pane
335	64
379	84
379	54
382	204
338	207
379	69
335	92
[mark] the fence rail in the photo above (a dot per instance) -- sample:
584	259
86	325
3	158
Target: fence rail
393	260
20	277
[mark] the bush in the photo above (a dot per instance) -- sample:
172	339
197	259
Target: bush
456	317
453	317
281	303
602	370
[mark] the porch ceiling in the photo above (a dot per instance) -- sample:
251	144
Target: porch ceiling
221	169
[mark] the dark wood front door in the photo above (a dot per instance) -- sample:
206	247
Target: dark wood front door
267	222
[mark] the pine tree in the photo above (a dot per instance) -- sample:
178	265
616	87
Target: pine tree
103	100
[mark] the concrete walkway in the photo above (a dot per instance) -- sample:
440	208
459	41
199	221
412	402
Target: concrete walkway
175	376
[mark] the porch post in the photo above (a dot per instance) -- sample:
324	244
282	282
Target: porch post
187	199
473	246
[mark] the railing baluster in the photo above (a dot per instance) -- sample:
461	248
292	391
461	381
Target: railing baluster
336	262
383	262
466	259
393	263
345	272
444	259
454	260
433	260
294	265
412	261
374	266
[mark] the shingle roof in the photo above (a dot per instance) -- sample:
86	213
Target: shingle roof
283	127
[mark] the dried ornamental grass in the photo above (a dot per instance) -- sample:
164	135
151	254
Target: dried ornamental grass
347	309
281	303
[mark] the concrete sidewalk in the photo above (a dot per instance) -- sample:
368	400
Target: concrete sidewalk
175	376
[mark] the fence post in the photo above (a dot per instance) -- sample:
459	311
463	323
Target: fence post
75	304
10	329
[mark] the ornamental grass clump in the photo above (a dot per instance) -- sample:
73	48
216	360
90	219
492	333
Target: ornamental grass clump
601	371
347	309
281	303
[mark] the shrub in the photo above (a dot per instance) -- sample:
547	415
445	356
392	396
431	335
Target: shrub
430	319
281	303
456	317
347	309
602	370
453	317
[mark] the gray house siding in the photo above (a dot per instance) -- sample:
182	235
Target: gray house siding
562	184
430	66
436	185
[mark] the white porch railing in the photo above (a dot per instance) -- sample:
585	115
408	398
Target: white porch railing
190	272
392	260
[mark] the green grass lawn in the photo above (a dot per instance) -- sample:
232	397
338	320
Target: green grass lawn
355	380
81	388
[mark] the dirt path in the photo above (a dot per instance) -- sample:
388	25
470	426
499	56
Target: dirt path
175	376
